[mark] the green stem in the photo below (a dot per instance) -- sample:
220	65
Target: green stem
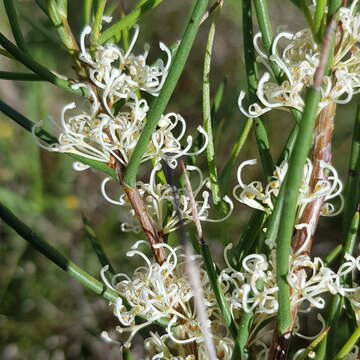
99	250
263	18
100	7
287	219
333	255
251	75
39	69
5	75
352	188
55	256
160	103
220	298
332	314
87	11
314	344
210	152
348	345
240	351
14	24
129	20
57	11
319	18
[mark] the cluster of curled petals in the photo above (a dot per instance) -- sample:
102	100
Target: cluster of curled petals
254	289
259	197
118	74
116	116
159	199
298	62
157	292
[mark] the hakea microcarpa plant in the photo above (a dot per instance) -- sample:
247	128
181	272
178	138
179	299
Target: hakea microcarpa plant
109	129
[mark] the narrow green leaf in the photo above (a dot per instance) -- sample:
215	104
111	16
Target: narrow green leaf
5	75
291	188
55	256
14	24
207	122
39	69
95	243
352	188
160	103
129	20
348	345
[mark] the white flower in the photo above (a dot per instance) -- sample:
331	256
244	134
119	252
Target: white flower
118	73
157	292
159	200
298	62
258	197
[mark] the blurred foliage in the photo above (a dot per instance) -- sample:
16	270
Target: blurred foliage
43	313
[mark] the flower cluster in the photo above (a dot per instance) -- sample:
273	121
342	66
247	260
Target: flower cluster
297	64
159	200
158	292
258	197
116	117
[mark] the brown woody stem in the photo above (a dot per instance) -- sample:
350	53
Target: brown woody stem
321	155
142	215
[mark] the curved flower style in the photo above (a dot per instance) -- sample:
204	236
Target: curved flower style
255	196
298	62
119	73
161	291
254	287
159	200
103	132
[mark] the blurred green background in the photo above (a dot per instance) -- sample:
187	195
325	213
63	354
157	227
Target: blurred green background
43	313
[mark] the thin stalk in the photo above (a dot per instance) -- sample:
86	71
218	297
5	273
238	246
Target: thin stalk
5	75
240	351
50	139
160	102
314	344
333	255
348	345
334	6
58	14
39	69
129	20
292	183
87	11
210	152
319	18
291	187
100	7
14	24
352	188
251	76
331	318
95	243
263	18
208	261
55	256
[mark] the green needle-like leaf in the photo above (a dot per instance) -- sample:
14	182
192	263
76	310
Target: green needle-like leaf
159	105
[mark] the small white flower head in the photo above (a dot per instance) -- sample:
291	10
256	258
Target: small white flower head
259	197
162	291
159	201
298	62
118	73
